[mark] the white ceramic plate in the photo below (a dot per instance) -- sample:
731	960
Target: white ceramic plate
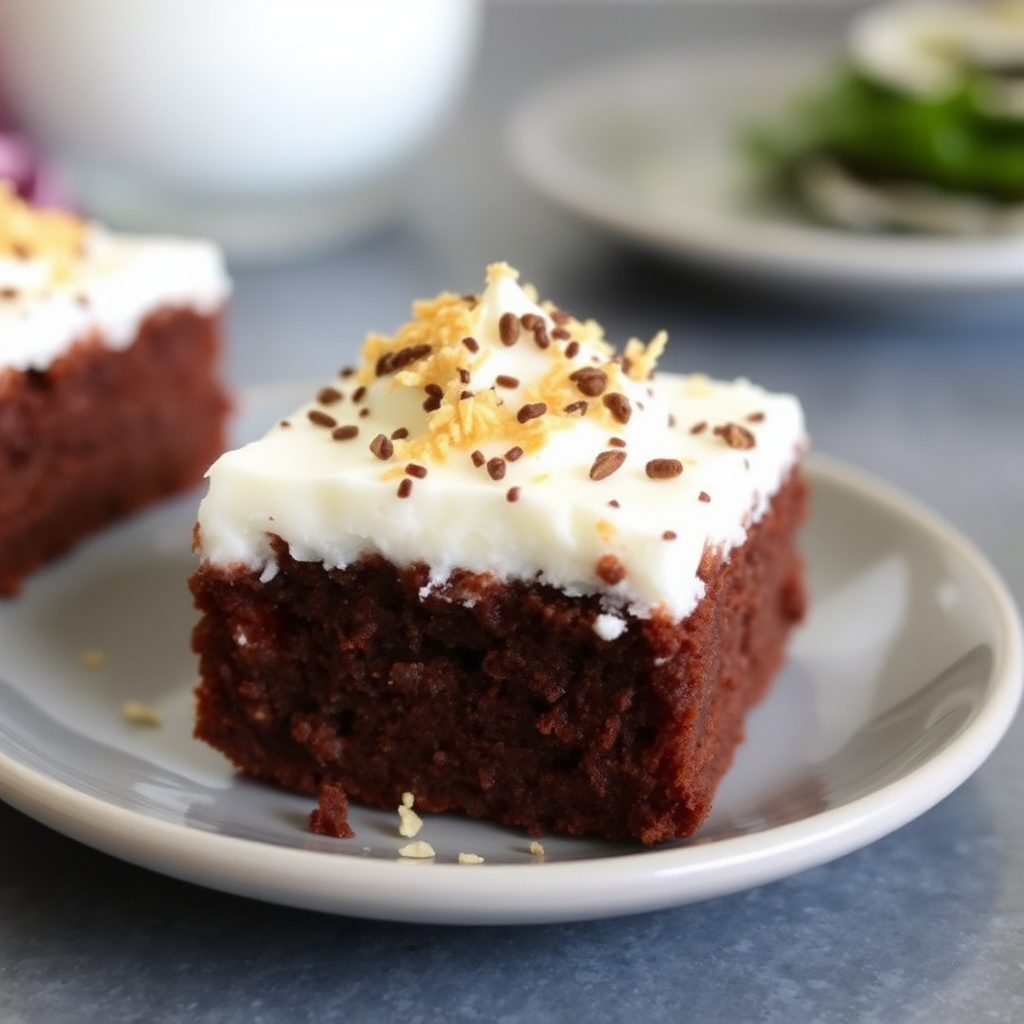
651	150
902	681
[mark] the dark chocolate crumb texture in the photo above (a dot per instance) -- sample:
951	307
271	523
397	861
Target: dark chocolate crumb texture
109	377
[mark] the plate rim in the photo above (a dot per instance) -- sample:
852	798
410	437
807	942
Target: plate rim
787	250
573	889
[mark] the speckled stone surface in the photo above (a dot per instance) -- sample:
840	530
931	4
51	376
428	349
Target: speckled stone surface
926	925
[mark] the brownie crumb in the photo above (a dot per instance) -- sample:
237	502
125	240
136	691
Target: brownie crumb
418	850
330	817
704	496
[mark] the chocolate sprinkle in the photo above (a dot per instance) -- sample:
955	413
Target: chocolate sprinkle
344	433
589	380
359	394
669	535
514	454
735	436
328	396
704	496
616	442
399	434
531	411
382	447
404	487
496	468
606	463
416	470
756	417
434	396
572	350
699	428
365	411
618	405
513	493
663	469
576	407
503	380
508	328
478	458
611	570
463	375
472	344
391	362
321	419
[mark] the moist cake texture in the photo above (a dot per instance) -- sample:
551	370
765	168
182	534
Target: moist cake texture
109	389
507	569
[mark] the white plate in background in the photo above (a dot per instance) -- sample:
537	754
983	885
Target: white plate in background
651	150
902	681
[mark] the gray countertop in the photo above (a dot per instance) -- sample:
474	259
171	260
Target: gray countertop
924	925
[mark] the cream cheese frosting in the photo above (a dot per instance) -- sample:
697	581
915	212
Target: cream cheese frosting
500	435
63	280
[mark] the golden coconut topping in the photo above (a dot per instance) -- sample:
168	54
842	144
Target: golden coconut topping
53	237
441	353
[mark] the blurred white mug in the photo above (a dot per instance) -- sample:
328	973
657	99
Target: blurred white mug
273	126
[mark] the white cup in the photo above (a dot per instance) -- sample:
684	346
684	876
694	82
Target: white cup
273	126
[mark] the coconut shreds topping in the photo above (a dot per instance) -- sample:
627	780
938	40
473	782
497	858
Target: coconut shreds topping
440	353
417	850
52	237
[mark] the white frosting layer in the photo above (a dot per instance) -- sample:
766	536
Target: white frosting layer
111	288
333	500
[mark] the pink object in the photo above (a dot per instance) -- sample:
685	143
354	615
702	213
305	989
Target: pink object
35	180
